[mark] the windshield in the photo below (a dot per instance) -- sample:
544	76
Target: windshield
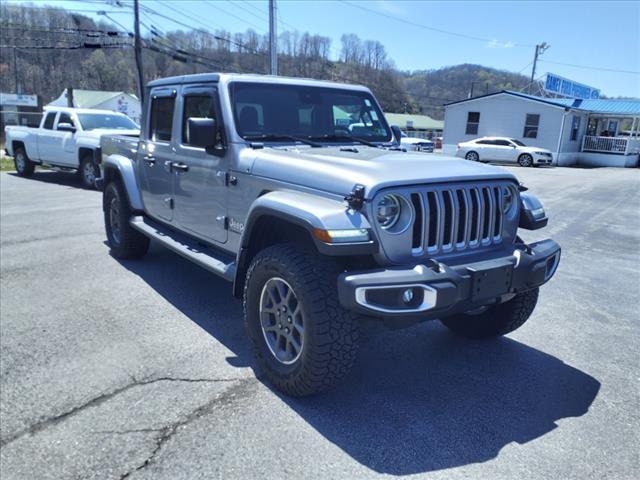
518	142
91	121
267	111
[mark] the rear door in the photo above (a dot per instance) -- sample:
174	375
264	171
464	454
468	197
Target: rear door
200	176
156	153
46	138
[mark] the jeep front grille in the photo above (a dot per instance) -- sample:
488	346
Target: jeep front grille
449	218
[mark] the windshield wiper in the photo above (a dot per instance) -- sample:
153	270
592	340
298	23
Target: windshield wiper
335	136
275	137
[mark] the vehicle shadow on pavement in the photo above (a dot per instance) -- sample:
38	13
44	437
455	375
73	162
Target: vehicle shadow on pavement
417	400
52	176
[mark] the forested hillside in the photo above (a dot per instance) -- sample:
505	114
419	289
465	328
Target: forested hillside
57	49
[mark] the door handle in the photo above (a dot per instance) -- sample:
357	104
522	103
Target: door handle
181	167
149	160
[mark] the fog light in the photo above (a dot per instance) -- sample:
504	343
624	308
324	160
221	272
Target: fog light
407	295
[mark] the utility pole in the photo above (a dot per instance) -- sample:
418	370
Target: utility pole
138	48
15	71
273	36
540	49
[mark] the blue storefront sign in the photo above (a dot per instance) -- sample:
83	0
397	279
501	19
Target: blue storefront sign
568	88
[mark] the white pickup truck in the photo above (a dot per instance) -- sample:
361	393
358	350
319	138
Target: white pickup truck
68	139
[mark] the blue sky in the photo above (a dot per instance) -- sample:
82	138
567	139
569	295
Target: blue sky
597	34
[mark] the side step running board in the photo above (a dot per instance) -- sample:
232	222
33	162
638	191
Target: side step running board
188	248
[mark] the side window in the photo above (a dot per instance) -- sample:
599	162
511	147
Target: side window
575	128
161	119
531	125
48	121
485	142
502	143
473	120
64	118
196	106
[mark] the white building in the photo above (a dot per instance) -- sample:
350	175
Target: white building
116	101
593	132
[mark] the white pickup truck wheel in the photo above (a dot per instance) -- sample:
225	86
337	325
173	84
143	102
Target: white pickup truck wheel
24	167
88	172
303	339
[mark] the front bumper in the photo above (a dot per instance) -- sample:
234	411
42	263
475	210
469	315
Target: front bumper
542	159
438	290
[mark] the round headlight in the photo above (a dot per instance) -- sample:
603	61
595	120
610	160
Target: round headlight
508	199
388	211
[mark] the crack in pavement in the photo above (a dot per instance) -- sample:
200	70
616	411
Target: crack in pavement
170	430
99	400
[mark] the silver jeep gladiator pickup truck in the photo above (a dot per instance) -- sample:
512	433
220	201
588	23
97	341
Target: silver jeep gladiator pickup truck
298	193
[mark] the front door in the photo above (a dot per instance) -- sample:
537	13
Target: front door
157	151
504	151
200	176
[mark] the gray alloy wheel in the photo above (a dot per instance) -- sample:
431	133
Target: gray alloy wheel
89	173
24	167
473	156
282	320
21	162
114	220
525	160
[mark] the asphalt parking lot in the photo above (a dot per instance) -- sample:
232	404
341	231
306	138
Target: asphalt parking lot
141	369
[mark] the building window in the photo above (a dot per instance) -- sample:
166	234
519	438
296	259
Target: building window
473	120
575	127
161	119
531	125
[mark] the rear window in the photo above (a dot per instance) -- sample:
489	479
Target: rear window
48	121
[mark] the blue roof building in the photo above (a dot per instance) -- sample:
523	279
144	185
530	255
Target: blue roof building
593	132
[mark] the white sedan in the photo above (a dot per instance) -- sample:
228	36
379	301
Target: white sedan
503	149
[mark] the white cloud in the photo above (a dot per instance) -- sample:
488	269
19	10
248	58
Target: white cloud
496	44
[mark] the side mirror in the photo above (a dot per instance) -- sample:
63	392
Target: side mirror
397	133
66	127
202	132
532	214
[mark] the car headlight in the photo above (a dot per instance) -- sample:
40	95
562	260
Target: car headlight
388	211
508	199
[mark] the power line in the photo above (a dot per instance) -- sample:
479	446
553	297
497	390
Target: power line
217	5
588	67
427	27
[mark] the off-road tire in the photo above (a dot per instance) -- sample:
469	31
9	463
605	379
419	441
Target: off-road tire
24	166
472	156
330	342
88	181
128	243
525	160
496	320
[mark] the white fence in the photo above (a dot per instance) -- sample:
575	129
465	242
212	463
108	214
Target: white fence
619	145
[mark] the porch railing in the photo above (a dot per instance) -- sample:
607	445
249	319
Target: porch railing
620	145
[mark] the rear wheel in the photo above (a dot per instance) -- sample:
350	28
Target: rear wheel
473	156
24	166
496	320
88	171
125	242
303	339
525	160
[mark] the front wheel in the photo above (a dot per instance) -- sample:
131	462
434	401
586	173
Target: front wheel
24	166
125	242
497	320
89	171
303	339
525	160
